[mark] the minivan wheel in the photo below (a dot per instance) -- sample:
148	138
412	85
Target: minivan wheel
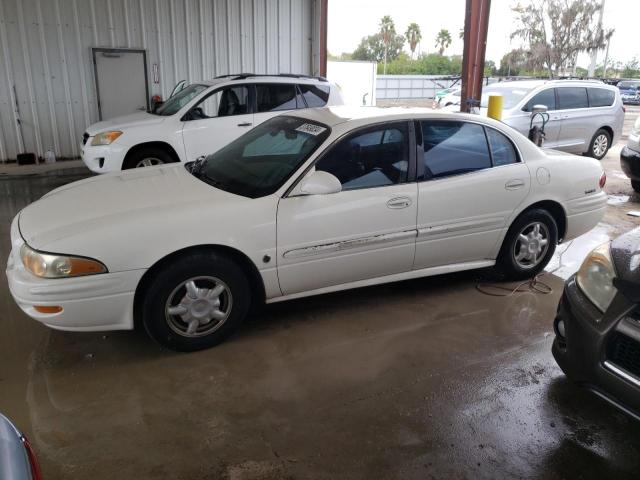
528	245
147	157
600	144
195	302
635	184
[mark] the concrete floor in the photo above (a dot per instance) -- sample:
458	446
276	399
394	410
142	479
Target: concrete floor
421	379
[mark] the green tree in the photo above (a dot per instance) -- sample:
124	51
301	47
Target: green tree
413	36
372	48
443	40
387	32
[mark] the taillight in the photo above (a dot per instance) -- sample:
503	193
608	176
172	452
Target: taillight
603	180
36	473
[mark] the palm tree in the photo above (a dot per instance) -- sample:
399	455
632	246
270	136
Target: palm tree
414	36
387	30
443	40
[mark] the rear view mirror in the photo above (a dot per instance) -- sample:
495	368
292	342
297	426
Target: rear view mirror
320	183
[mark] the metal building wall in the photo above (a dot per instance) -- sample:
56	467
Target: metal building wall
46	64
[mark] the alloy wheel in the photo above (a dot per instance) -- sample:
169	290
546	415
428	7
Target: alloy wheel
531	246
149	162
600	145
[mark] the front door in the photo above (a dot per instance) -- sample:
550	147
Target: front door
521	120
365	231
219	118
467	193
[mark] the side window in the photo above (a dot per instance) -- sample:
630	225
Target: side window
572	97
222	103
374	158
600	97
315	95
546	97
452	148
502	150
275	97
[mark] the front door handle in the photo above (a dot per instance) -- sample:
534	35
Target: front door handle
514	184
245	124
399	202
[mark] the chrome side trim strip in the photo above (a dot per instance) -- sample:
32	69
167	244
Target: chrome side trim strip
612	367
346	244
488	223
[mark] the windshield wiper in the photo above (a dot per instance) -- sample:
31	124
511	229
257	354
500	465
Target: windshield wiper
195	168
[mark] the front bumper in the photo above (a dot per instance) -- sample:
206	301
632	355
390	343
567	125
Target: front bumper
585	352
630	163
103	158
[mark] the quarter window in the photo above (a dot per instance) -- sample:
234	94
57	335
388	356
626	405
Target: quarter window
222	103
502	150
572	97
376	157
314	95
453	148
546	97
275	97
600	97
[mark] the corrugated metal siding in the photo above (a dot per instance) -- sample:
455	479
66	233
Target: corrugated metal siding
45	52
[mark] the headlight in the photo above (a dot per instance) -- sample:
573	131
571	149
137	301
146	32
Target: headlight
595	277
47	265
106	138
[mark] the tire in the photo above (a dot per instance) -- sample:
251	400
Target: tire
147	157
517	269
635	184
600	144
169	305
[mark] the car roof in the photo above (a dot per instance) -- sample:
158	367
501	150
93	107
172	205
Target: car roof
251	78
537	83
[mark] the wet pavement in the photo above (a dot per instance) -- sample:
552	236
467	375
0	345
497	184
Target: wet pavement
421	379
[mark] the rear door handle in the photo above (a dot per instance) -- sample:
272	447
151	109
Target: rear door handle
245	124
514	184
399	202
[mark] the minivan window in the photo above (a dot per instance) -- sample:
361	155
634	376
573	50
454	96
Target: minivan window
546	97
452	148
314	95
374	158
179	100
572	97
600	97
260	161
275	97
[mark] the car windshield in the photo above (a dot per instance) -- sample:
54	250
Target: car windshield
261	160
179	100
511	94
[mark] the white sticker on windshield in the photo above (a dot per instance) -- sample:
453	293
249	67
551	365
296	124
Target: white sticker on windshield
311	129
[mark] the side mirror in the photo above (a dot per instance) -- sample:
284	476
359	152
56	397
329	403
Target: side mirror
539	109
320	183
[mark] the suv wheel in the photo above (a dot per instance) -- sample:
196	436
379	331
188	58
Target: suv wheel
147	157
600	144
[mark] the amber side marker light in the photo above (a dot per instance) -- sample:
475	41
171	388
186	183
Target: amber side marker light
47	308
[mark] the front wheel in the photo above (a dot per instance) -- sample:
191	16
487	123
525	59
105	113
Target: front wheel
147	157
600	144
529	245
195	302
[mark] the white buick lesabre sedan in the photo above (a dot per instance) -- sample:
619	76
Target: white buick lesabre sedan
303	204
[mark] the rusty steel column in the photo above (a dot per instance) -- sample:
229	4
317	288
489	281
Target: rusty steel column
476	23
324	9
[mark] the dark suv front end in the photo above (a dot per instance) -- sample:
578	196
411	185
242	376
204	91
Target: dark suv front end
597	326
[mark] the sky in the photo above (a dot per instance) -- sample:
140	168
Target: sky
350	20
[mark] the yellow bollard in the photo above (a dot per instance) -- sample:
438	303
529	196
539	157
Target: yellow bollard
495	106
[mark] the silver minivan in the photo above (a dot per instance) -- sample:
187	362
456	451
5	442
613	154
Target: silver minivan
585	117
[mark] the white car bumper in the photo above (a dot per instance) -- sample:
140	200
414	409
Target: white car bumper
91	303
103	158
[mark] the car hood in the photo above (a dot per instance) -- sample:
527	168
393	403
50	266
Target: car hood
103	202
625	253
126	121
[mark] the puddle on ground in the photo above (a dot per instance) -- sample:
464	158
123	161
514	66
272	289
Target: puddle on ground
570	255
617	199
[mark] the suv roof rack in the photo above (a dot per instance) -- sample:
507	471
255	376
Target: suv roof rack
242	76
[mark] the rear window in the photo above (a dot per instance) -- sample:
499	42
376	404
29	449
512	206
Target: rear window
314	95
600	97
572	97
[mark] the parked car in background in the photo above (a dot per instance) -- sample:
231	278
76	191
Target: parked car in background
630	156
17	459
199	119
320	201
629	91
448	97
597	327
585	117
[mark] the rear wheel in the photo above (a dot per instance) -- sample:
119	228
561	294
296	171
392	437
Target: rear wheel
600	144
195	302
147	157
635	184
529	245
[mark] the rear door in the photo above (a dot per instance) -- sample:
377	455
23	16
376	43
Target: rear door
273	99
575	119
219	118
466	191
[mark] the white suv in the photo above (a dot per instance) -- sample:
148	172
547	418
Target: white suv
200	119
